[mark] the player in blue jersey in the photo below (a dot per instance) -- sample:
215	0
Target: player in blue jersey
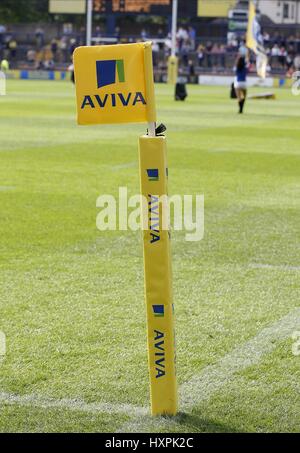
240	82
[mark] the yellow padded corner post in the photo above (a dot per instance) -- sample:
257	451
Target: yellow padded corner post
172	70
158	278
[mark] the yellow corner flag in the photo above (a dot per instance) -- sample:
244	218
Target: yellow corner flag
114	84
261	64
255	41
251	39
172	70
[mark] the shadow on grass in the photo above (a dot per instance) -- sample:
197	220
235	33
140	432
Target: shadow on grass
194	423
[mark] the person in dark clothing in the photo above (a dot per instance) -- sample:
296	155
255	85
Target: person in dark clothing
240	82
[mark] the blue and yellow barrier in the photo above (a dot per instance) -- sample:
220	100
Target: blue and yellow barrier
282	82
25	74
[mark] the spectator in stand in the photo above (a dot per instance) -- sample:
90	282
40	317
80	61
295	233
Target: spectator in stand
73	46
31	56
98	33
39	57
223	56
182	36
291	47
297	62
192	37
82	37
63	46
54	48
289	61
117	33
208	51
282	56
215	51
160	35
243	51
144	34
2	34
168	45
266	38
298	43
67	28
12	47
191	68
39	36
274	54
200	52
155	50
185	50
49	65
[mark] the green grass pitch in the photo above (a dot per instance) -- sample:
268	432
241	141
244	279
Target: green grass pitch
71	297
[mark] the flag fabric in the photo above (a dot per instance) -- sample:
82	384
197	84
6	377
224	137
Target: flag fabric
261	64
255	41
114	84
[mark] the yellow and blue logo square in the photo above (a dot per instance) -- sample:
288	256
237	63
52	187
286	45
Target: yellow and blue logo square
158	311
108	71
153	174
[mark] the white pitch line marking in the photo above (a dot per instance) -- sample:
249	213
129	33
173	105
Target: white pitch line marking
6	188
202	386
241	357
280	267
71	404
121	166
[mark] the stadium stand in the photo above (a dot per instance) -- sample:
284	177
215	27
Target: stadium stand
49	46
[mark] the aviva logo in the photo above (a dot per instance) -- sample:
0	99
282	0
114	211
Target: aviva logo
159	354
108	71
153	209
152	174
158	311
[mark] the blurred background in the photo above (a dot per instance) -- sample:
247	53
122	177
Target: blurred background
42	34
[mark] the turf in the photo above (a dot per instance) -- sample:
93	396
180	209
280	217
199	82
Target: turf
71	297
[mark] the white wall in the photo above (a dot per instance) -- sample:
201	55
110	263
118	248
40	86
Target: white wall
274	9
